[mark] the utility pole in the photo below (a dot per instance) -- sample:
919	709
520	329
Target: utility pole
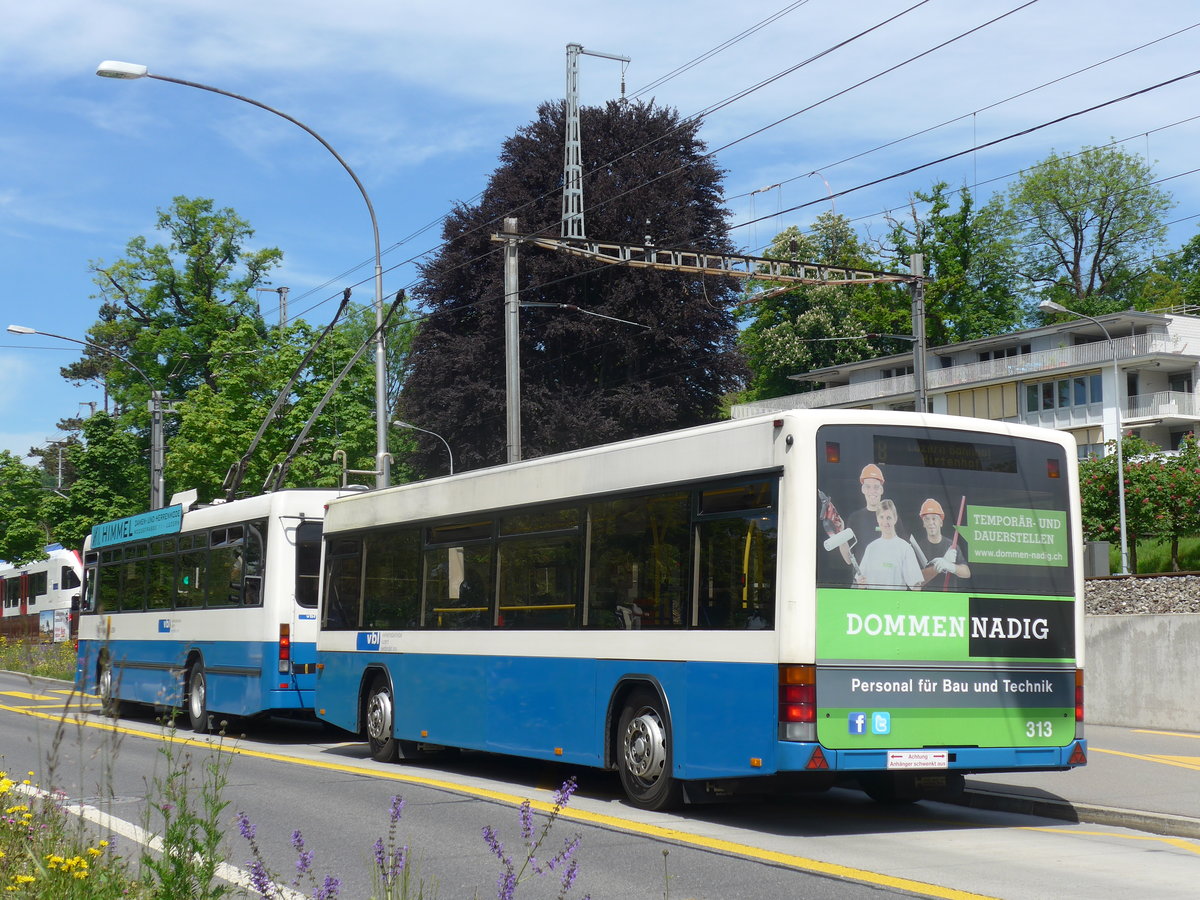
917	285
512	340
282	292
572	205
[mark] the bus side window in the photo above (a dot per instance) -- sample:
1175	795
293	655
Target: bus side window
308	563
343	585
253	562
737	573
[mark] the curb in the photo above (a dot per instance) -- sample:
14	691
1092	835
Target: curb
1139	820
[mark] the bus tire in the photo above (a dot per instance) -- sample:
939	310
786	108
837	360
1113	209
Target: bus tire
380	716
890	789
197	698
644	753
106	689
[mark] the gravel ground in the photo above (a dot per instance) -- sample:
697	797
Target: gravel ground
1158	595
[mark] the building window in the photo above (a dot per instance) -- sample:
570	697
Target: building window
1063	393
896	372
1004	352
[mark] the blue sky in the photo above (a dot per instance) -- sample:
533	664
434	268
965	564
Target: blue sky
418	96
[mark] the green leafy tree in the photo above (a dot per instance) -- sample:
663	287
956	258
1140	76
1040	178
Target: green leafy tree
812	327
1099	498
218	423
969	293
1086	226
22	510
112	480
585	379
1173	495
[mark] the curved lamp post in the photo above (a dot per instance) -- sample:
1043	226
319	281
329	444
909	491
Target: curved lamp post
157	501
400	424
383	462
1051	306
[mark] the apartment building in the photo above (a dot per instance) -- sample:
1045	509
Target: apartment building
1059	376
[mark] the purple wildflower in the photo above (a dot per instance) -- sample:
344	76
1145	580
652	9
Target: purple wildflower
245	827
397	808
526	821
330	889
506	887
563	794
380	859
260	881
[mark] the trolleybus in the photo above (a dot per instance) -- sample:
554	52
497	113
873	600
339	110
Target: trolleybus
41	597
212	610
888	599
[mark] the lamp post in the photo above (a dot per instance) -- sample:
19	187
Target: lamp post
400	424
157	500
383	461
1051	306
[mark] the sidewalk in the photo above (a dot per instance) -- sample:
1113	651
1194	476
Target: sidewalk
1143	779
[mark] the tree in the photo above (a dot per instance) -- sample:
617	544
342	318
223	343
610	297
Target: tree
1087	225
969	291
1100	501
585	380
22	512
217	423
112	480
812	327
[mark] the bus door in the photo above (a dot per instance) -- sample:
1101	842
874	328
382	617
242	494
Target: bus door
304	611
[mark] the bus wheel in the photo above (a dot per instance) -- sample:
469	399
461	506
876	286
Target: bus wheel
197	698
379	721
643	753
109	703
889	788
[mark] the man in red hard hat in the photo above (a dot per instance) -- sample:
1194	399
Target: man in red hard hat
944	559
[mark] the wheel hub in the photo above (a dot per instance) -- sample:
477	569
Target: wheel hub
645	747
379	716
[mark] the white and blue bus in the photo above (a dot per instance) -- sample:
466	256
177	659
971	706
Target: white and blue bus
41	598
888	599
212	610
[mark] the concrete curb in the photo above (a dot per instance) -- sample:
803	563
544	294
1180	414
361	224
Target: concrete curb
1153	823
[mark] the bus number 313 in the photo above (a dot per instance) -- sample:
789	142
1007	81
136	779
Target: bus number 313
1039	729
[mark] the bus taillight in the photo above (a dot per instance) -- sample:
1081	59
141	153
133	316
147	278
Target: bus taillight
285	648
1078	697
797	703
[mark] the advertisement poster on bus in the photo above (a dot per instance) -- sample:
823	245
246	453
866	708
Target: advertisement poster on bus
945	588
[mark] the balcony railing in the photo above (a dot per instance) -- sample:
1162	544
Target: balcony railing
1161	405
1028	365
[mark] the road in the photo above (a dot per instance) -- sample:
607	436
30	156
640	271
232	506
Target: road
287	776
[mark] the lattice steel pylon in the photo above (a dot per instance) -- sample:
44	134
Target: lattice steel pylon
572	202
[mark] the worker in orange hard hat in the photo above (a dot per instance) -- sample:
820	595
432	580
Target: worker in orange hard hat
943	559
865	521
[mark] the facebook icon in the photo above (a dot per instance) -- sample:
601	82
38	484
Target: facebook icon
858	723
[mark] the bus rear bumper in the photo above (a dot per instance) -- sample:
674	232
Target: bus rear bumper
799	757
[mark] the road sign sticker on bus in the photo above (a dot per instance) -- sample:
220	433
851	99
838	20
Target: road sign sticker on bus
918	759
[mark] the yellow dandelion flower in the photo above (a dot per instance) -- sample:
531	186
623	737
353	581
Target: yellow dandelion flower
80	875
92	851
24	879
104	843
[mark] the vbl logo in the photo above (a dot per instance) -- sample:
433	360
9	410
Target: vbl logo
368	640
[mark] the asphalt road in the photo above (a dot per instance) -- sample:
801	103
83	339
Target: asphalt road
835	845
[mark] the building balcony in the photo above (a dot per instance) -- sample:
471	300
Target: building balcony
1029	366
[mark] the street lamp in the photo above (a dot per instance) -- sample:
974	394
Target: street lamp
157	500
383	462
1051	306
400	424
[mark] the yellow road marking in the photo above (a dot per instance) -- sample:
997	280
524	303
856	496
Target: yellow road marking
22	695
1181	843
659	832
1194	737
1183	762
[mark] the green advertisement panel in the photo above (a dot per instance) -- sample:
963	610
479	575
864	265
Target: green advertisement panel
893	626
1020	537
